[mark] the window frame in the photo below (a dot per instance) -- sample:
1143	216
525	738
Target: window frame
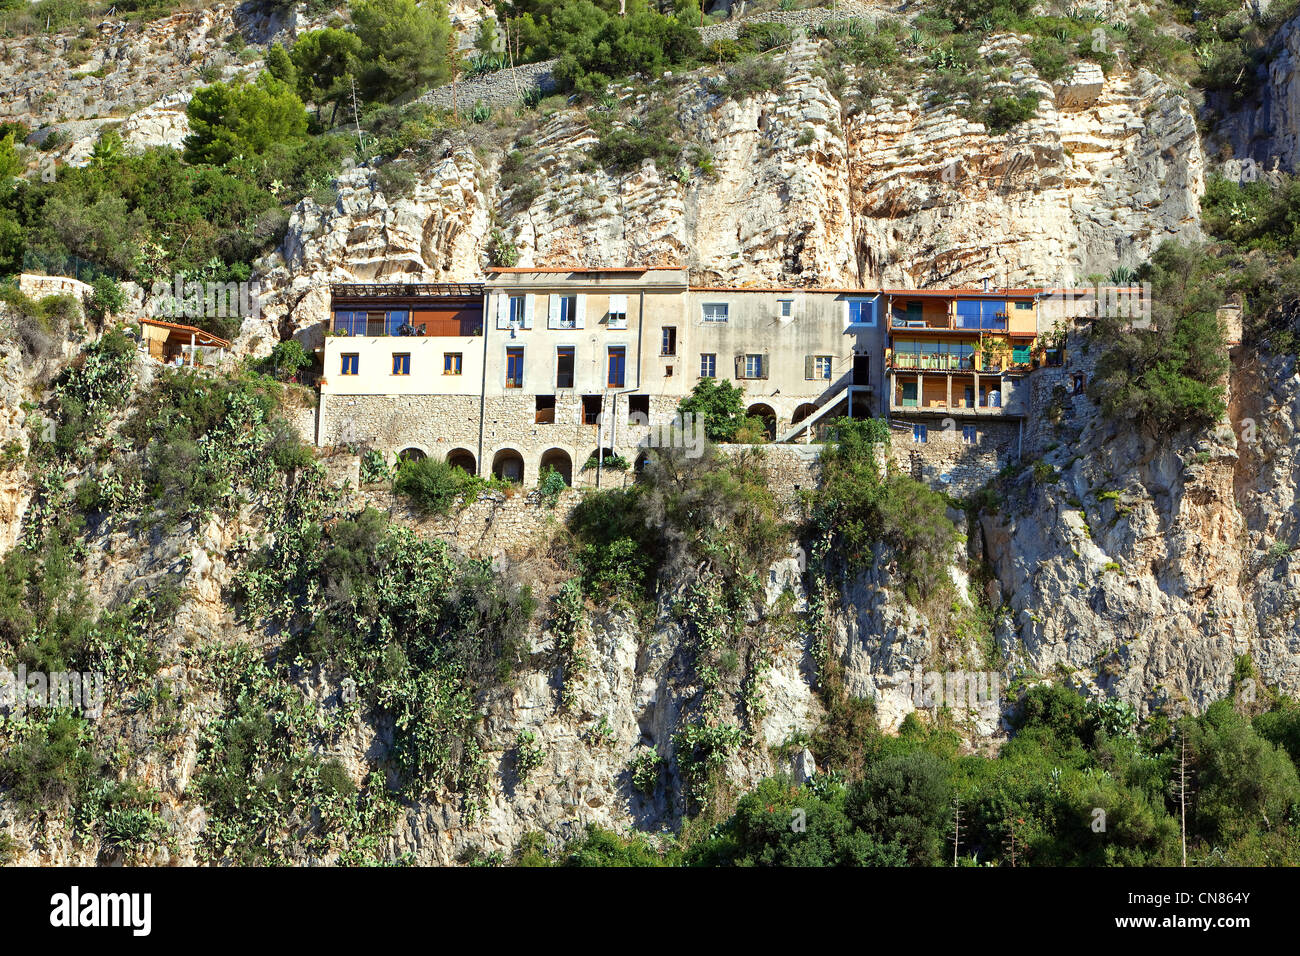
569	305
355	363
665	348
724	306
610	352
458	364
572	356
401	360
506	369
711	359
870	302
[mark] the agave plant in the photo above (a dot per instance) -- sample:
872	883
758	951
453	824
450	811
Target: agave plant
1121	275
485	63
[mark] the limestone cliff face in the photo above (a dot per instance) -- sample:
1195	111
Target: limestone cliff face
1265	127
125	66
799	187
1145	569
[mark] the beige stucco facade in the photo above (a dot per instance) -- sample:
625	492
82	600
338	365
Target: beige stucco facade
565	363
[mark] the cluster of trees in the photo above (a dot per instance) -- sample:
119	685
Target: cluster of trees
252	153
1078	784
595	43
685	517
1172	374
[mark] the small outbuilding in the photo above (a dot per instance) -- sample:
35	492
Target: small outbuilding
175	344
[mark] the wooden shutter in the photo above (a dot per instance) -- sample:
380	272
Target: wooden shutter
528	310
808	367
503	310
553	311
580	311
740	366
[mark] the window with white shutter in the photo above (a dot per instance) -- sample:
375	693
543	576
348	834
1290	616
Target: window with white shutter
618	311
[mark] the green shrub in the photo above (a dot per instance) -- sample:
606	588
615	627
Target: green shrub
1005	112
644	770
595	46
106	298
610	461
719	404
205	438
434	486
752	77
1050	58
244	119
551	485
403	46
1171	376
287	359
528	755
51	765
861	506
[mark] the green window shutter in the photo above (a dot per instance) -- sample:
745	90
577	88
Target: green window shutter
808	367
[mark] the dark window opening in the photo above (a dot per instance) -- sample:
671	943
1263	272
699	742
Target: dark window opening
545	410
564	367
591	406
668	345
638	409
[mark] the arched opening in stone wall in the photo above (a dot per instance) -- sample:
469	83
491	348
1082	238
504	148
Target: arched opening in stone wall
768	414
411	454
463	459
508	465
802	412
602	458
560	460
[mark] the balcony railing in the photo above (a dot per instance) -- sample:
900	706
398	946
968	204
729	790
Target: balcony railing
959	406
900	320
938	362
924	361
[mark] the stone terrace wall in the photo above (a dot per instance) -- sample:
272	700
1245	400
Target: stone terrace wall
790	469
1057	384
946	463
496	523
509	521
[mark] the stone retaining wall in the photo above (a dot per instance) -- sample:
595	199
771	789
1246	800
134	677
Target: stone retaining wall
946	462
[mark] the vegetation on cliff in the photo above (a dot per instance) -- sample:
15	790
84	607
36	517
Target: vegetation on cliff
1079	784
